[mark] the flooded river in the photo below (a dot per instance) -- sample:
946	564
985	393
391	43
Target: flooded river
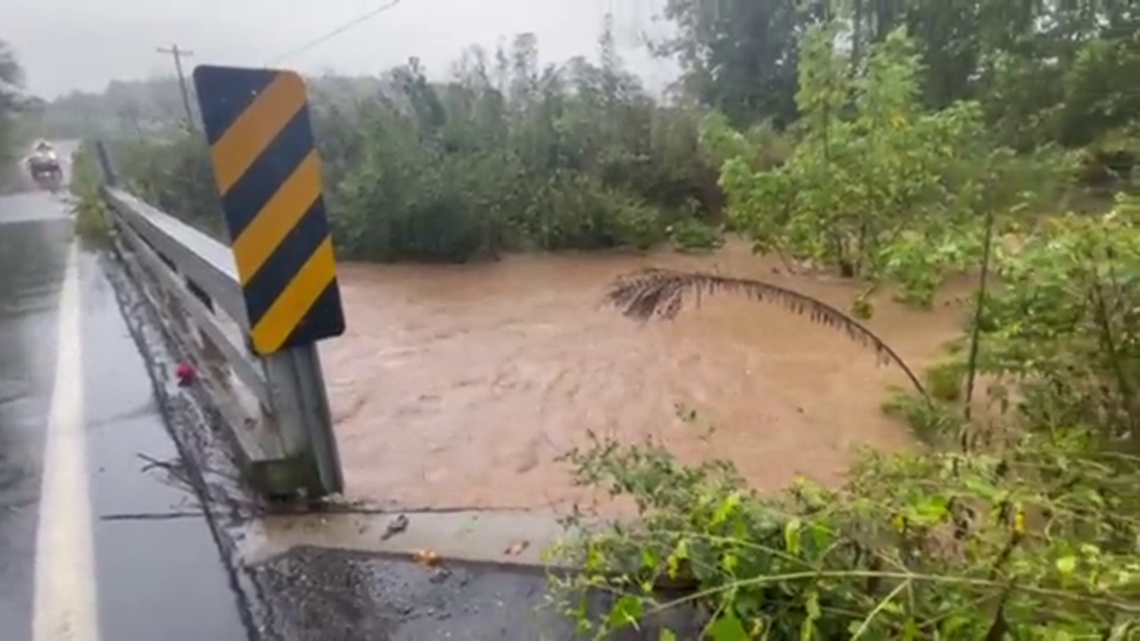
457	386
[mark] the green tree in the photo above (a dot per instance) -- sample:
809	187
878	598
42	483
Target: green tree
11	97
877	188
741	56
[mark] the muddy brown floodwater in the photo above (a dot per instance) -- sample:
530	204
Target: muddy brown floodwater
457	386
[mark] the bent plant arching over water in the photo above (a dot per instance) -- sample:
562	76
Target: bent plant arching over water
662	292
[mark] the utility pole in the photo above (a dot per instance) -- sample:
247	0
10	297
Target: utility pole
178	54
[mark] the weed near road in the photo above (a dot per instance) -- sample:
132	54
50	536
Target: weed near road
91	215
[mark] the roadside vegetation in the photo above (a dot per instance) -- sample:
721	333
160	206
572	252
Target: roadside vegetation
91	215
1016	521
893	144
17	110
11	79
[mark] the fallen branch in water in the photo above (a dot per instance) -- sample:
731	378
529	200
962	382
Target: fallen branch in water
661	293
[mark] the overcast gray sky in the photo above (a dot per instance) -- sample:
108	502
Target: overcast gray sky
81	44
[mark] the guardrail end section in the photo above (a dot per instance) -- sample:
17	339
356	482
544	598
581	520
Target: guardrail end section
284	479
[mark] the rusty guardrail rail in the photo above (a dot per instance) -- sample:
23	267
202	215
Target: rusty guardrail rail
283	430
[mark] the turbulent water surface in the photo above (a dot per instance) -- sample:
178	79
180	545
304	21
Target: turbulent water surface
459	385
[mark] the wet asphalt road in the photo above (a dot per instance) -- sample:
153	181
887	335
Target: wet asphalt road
153	576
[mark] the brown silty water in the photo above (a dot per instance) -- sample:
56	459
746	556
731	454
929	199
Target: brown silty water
457	386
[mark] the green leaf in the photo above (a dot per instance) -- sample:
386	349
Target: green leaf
649	559
1066	564
911	629
812	606
792	536
952	624
666	635
726	508
627	612
728	628
807	630
680	553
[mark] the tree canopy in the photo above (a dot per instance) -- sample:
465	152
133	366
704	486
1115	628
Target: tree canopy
11	96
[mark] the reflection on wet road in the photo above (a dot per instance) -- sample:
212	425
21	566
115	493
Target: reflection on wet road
33	251
144	579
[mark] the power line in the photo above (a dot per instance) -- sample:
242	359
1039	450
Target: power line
178	54
335	32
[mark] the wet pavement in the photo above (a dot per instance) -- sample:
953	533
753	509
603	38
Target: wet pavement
332	595
154	554
32	257
155	571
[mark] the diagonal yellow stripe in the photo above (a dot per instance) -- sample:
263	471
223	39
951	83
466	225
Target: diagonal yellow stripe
293	303
256	127
277	219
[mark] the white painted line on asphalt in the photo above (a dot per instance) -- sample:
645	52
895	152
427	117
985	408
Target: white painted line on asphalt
65	600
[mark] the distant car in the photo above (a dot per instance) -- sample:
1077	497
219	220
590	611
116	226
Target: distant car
43	162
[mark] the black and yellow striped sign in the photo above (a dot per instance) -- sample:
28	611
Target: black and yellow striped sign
269	177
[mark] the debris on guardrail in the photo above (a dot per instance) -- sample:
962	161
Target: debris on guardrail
185	374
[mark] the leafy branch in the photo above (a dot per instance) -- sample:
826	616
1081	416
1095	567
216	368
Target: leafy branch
661	293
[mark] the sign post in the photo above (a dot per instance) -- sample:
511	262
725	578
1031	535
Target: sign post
268	175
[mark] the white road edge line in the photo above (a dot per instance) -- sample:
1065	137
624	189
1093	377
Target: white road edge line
65	595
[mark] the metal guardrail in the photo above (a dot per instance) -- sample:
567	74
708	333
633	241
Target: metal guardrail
283	432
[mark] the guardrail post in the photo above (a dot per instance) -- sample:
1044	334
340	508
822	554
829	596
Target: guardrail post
268	175
106	170
301	413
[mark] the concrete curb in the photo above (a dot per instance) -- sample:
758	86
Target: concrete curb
504	538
